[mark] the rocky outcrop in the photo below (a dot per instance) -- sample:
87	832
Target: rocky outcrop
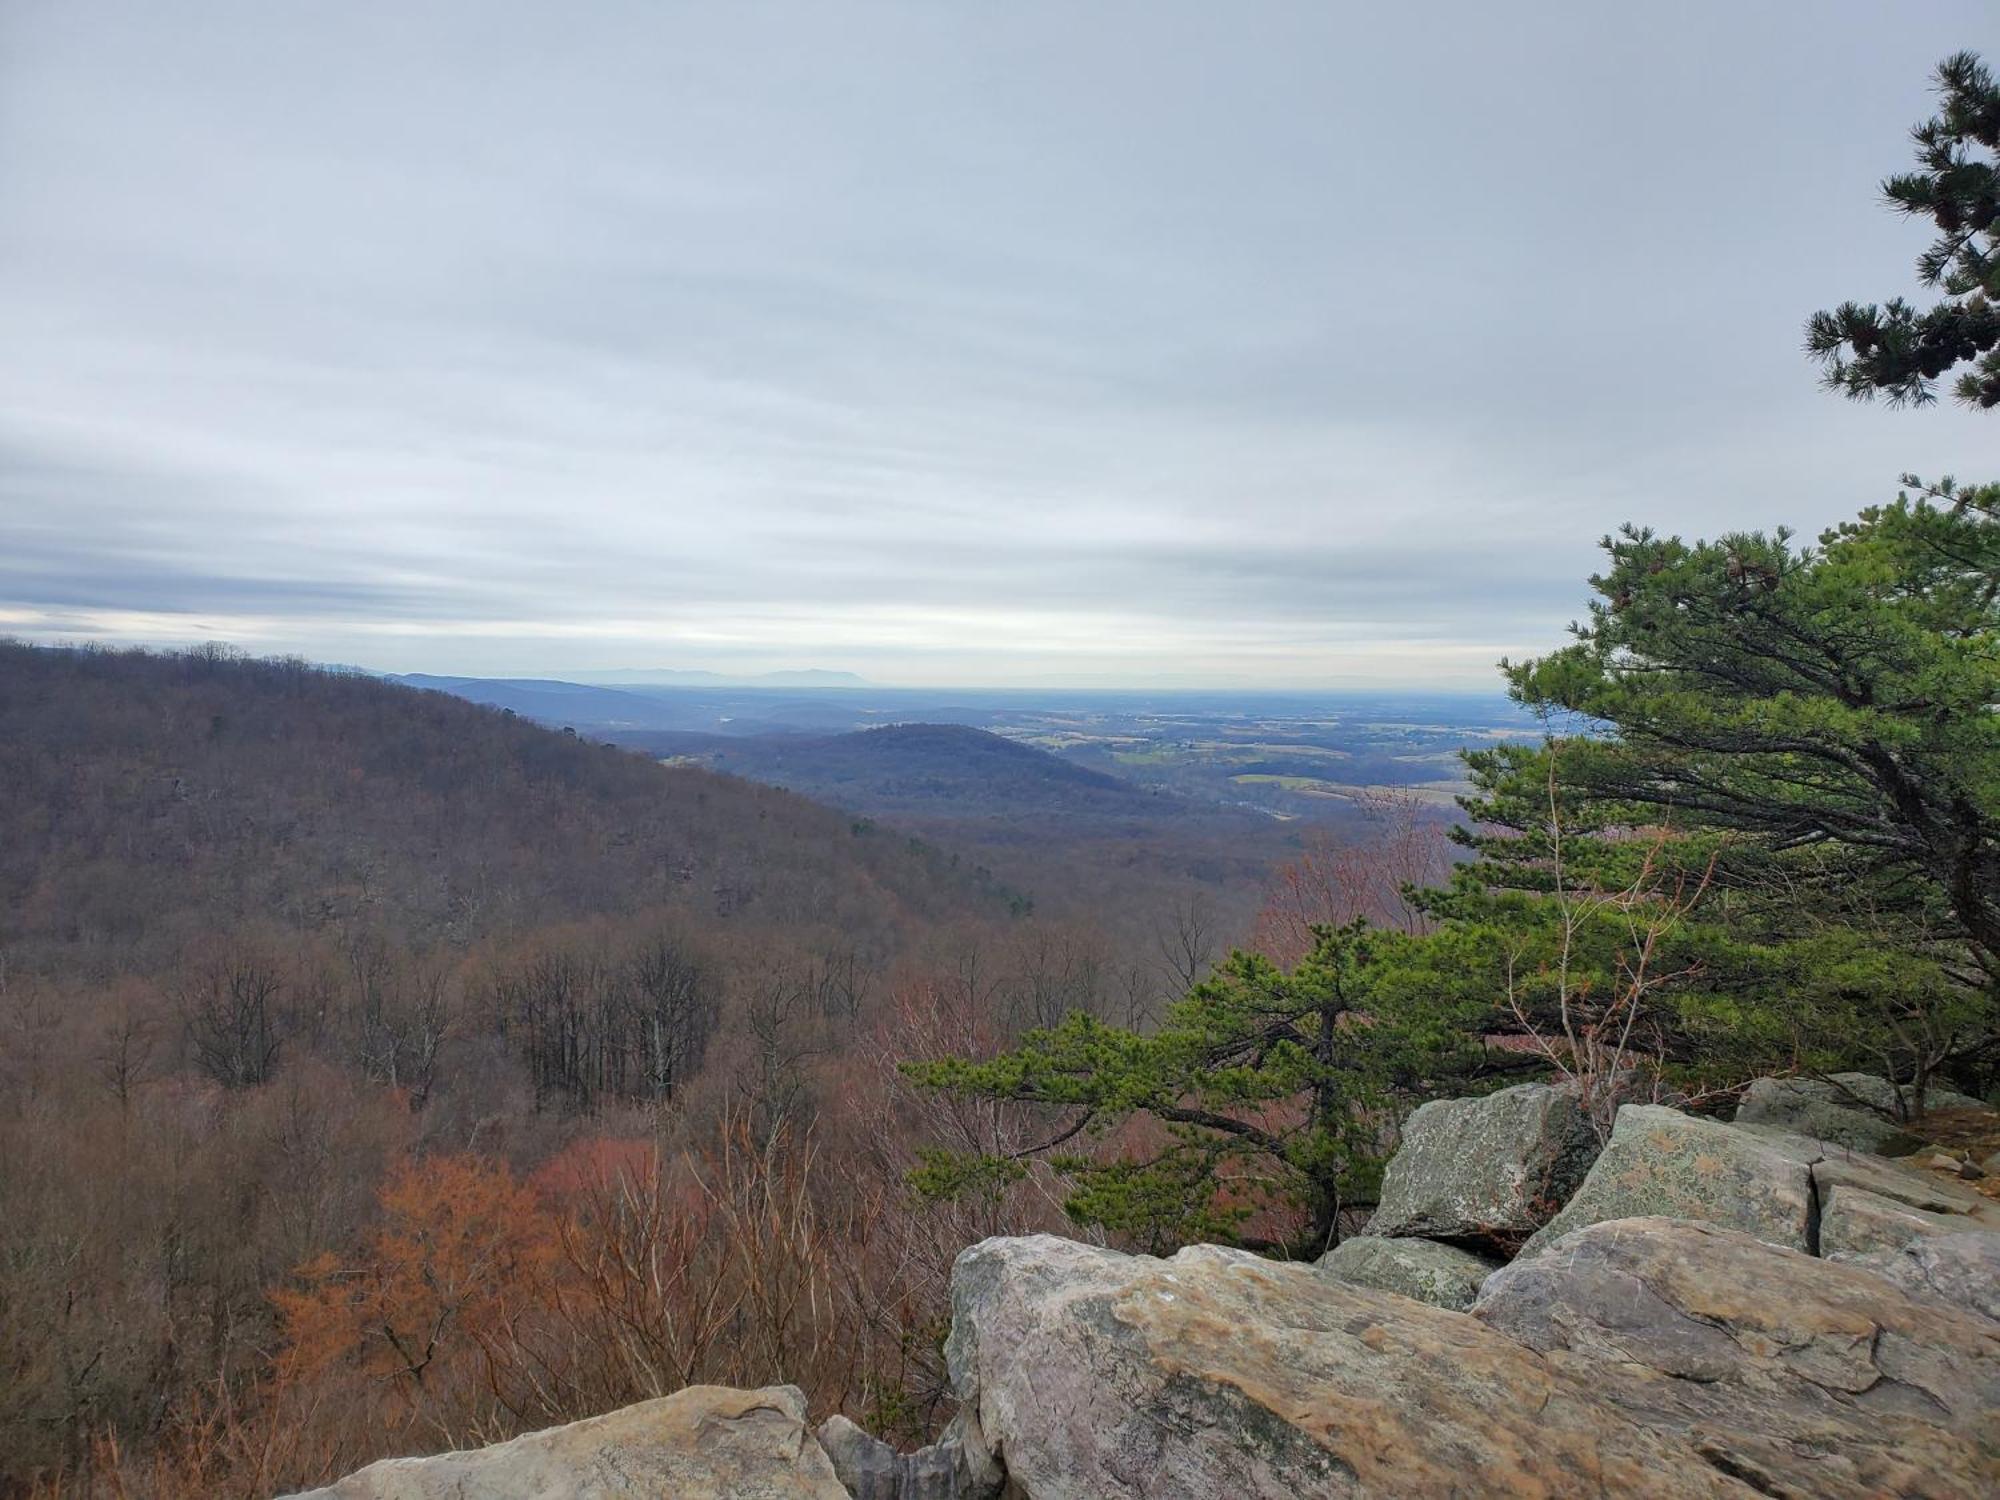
1662	1162
1442	1275
1856	1110
1719	1310
701	1442
1796	1375
1900	1181
1854	1221
1785	1189
1084	1372
1646	1357
1486	1172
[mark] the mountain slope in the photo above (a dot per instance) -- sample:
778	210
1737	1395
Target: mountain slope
147	797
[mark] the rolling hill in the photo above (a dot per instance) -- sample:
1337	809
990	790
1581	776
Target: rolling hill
922	769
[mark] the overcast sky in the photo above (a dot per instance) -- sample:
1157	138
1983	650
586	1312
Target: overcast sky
942	342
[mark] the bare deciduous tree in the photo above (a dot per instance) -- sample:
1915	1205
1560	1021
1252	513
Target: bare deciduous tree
229	1005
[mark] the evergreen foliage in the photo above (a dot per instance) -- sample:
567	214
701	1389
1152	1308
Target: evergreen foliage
1838	699
1894	347
1267	1090
1816	728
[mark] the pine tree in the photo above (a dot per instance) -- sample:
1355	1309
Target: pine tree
1266	1098
1817	728
1894	347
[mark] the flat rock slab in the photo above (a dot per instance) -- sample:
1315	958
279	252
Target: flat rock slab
1662	1162
1424	1270
1901	1182
1854	1221
1217	1375
1809	1108
705	1441
1960	1270
1487	1171
1799	1375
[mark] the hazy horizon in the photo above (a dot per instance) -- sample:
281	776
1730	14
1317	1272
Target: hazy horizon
1298	346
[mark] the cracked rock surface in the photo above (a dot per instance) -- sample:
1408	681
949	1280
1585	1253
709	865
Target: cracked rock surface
1798	1375
1645	1356
1851	1109
1218	1374
1660	1161
1960	1271
1672	1333
1786	1189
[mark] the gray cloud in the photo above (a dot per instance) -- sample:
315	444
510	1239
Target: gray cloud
1285	343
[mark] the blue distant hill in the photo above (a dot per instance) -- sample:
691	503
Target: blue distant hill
915	768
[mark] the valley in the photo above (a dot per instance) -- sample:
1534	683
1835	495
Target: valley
1120	808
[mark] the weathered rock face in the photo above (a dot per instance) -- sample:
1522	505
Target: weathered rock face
703	1441
1854	1221
1800	1376
1900	1182
1487	1171
1857	1110
1218	1374
1442	1275
1662	1162
1961	1270
1787	1189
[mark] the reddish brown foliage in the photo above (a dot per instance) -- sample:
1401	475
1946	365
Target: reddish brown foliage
1337	880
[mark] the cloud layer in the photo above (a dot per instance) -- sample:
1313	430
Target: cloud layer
1268	344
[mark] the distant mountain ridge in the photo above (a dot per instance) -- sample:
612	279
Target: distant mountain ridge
659	701
921	768
807	677
549	701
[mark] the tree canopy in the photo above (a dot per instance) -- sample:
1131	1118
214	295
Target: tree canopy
1896	348
1763	833
1839	697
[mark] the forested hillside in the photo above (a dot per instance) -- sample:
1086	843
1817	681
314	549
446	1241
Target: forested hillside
378	1069
148	798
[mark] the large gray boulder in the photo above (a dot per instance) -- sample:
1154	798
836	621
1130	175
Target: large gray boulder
1796	1375
1487	1171
1662	1162
1217	1375
1442	1275
1804	1193
705	1441
1857	1110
